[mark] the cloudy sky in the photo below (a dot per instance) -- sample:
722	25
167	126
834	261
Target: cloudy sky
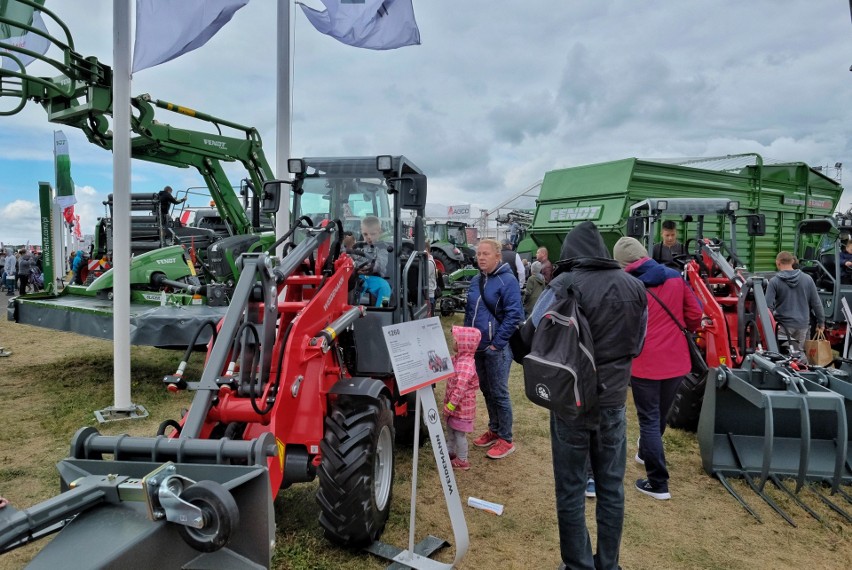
498	93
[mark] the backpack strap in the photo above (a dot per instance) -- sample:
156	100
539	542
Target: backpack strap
485	302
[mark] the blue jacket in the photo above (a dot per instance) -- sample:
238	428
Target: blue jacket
503	295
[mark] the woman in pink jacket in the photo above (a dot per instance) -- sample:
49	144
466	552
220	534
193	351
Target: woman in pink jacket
659	369
460	397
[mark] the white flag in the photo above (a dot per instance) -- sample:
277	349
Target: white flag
13	38
371	24
166	29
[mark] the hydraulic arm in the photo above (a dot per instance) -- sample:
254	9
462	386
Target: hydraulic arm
81	97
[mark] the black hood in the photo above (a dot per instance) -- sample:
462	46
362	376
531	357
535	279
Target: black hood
584	245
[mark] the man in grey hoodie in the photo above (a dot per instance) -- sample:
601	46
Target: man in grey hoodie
792	296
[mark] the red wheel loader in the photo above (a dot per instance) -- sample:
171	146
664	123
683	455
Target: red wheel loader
297	385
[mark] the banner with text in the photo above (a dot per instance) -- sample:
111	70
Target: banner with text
460	212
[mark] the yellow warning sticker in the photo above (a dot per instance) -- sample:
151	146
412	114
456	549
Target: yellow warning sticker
281	447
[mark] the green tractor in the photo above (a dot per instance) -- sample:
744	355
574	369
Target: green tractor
449	246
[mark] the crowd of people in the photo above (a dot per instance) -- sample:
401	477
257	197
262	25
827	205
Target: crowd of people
637	307
21	270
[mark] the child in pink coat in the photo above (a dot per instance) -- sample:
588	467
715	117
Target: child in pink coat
460	397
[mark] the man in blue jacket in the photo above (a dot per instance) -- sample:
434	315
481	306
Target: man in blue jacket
494	307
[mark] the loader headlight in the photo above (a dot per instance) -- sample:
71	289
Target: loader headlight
296	165
384	163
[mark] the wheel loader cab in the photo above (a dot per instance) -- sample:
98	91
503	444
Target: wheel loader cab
817	246
355	192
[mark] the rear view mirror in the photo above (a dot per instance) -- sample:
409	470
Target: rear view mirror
270	201
636	227
412	191
756	224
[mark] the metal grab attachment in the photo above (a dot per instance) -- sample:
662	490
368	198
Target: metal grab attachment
768	421
192	515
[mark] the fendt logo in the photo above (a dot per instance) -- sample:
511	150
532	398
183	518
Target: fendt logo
170	261
218	144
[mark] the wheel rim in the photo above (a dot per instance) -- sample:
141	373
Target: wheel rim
383	468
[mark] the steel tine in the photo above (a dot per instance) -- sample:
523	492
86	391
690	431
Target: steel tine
780	484
726	484
830	504
750	481
843	494
768	499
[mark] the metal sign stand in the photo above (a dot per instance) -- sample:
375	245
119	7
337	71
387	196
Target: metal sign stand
420	358
417	556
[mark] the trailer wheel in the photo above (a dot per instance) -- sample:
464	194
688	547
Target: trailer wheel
220	513
356	473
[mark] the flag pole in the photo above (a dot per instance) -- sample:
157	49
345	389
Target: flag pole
284	98
122	407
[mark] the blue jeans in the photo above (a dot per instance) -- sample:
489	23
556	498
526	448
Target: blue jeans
607	448
653	398
492	368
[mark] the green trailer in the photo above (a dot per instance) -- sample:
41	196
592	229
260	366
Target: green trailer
603	193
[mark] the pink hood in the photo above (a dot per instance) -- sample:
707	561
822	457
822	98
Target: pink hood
467	339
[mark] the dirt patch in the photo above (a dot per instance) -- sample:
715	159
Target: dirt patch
54	381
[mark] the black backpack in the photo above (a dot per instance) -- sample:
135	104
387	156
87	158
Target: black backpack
559	370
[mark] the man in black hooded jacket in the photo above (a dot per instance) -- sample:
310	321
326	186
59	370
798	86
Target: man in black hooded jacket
615	306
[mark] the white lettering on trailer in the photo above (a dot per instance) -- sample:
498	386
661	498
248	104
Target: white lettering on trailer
578	213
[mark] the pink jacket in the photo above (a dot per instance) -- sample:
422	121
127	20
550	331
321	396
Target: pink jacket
462	386
665	354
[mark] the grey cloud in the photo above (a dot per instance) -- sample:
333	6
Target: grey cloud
524	117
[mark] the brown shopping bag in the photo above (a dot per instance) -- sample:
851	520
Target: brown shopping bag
818	350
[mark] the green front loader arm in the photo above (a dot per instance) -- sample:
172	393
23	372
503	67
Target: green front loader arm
81	97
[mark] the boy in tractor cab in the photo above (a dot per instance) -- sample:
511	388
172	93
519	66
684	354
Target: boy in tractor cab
373	270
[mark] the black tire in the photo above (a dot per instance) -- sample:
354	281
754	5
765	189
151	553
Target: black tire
221	516
446	306
686	408
447	265
356	473
404	425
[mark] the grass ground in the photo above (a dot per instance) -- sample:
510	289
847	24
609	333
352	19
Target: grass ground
52	384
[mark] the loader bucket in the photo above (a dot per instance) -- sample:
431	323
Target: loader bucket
767	419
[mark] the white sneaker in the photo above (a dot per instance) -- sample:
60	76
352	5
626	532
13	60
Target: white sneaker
638	459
